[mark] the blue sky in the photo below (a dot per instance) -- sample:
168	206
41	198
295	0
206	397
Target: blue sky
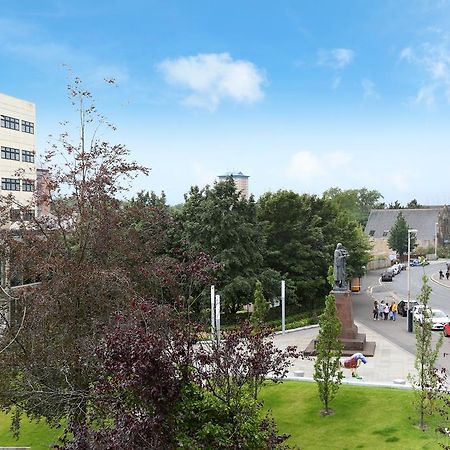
298	95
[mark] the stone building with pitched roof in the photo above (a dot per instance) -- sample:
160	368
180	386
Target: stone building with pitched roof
430	222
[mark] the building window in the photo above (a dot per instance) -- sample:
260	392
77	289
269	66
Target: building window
372	233
27	156
10	184
14	214
27	127
28	214
385	233
9	122
11	153
28	185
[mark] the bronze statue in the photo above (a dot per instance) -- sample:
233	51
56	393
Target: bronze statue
339	268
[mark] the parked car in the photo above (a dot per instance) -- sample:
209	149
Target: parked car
438	318
396	268
402	266
447	330
387	276
419	262
403	305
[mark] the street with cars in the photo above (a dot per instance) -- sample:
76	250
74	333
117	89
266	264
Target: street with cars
397	290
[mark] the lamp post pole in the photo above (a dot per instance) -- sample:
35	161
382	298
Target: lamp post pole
283	307
213	312
408	313
435	238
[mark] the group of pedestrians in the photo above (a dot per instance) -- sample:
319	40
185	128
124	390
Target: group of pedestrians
447	274
384	311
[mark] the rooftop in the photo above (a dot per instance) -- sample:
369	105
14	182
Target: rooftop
234	175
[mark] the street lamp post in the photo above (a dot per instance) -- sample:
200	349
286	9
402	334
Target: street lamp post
435	239
408	312
283	310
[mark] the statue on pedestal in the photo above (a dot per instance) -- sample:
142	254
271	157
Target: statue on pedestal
339	268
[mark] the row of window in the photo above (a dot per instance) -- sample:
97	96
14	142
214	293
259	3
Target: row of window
14	154
372	233
13	184
18	215
13	124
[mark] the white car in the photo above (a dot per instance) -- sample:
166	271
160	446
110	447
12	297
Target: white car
437	317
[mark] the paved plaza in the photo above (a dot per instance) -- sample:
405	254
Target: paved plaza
390	362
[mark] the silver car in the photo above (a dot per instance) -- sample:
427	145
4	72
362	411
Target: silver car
438	318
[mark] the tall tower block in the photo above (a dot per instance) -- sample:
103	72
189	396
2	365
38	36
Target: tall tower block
240	180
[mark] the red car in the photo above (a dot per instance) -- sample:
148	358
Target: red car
447	330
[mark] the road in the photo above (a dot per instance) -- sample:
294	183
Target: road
397	290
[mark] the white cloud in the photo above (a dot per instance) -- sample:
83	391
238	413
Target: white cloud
369	89
434	60
337	58
425	96
214	77
306	165
406	54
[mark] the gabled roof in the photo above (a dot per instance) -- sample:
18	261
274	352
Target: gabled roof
423	220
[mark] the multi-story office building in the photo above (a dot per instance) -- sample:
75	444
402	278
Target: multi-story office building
18	147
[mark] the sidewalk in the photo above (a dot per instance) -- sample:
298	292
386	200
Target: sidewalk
389	363
443	282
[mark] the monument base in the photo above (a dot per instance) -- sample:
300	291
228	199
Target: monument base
351	340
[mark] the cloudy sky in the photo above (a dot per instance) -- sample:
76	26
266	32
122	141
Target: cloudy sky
298	95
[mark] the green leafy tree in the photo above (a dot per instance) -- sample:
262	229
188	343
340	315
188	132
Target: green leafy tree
296	247
414	204
327	371
398	236
219	221
260	305
395	205
301	233
356	202
426	380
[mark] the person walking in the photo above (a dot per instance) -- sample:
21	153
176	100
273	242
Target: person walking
441	274
447	274
375	310
386	311
381	310
394	310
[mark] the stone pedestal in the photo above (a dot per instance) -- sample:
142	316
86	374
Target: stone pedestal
345	314
351	340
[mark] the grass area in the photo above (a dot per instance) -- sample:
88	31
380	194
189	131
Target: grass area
38	436
364	418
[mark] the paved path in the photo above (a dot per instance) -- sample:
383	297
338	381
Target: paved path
389	363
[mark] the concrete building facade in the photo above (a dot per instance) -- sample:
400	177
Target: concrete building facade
18	150
240	180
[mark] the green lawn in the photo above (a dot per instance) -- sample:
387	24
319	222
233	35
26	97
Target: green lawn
365	418
38	436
